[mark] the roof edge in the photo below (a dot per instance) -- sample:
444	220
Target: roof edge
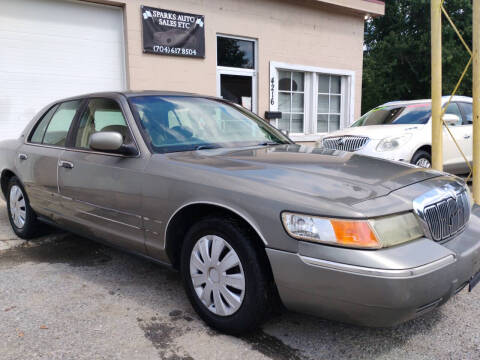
367	7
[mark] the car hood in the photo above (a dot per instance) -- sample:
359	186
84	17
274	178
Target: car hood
377	132
327	174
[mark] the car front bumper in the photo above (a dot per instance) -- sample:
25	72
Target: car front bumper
378	287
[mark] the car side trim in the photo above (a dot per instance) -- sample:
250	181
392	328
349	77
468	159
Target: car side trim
387	273
215	204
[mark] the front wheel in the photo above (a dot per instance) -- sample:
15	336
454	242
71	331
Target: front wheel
422	158
22	217
224	275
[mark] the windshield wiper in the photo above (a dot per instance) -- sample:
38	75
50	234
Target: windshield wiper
206	147
267	143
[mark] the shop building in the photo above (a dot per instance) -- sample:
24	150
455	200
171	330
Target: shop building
301	58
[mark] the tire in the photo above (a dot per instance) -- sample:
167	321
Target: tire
422	158
251	305
22	217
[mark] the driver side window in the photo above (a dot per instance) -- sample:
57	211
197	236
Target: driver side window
101	115
453	109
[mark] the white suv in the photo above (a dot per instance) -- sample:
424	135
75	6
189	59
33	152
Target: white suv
402	131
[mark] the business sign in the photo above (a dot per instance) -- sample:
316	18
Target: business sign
168	32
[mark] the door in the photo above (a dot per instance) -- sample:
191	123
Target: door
38	157
236	70
467	114
452	157
53	49
101	192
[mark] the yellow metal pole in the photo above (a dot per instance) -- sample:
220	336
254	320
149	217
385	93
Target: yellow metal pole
437	126
476	100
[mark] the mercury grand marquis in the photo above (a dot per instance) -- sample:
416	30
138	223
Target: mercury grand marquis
247	217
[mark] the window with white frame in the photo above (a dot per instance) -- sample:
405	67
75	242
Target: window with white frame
312	100
329	105
291	94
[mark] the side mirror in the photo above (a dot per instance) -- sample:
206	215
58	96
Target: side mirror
106	141
111	141
451	119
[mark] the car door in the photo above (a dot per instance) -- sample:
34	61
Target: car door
453	160
37	158
467	113
101	192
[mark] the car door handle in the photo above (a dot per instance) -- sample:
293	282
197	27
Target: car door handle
65	164
22	156
466	136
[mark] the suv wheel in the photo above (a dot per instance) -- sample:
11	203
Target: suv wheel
22	218
224	275
422	158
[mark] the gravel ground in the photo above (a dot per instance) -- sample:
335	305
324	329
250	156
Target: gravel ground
63	297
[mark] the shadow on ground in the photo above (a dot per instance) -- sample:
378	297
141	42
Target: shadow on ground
286	336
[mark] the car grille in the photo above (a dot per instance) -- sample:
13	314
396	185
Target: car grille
447	217
345	143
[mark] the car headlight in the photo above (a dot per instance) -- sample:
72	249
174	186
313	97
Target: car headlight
393	142
369	234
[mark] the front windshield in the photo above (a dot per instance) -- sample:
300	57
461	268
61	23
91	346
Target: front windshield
183	123
397	114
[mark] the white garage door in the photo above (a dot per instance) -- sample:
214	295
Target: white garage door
50	49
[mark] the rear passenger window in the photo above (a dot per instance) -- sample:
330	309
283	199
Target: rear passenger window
59	125
37	136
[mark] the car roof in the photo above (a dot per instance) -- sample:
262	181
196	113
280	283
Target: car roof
423	101
131	93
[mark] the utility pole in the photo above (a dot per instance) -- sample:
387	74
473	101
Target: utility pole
437	126
476	100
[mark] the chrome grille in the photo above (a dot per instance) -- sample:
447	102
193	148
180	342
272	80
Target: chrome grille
448	216
345	143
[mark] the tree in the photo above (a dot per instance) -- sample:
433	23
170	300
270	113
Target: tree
397	52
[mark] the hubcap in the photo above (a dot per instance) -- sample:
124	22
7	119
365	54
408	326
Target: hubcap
217	275
422	162
18	210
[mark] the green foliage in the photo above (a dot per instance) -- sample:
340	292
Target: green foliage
397	52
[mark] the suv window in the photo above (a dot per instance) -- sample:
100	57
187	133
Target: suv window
396	114
101	115
453	109
467	112
39	132
59	125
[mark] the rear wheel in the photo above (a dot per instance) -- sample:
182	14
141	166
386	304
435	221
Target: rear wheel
224	275
422	158
22	218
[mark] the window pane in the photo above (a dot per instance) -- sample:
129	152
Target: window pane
334	122
235	53
335	104
284	122
322	123
37	136
335	85
284	102
297	103
323	84
297	81
101	115
454	110
322	103
297	123
467	111
284	80
57	130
